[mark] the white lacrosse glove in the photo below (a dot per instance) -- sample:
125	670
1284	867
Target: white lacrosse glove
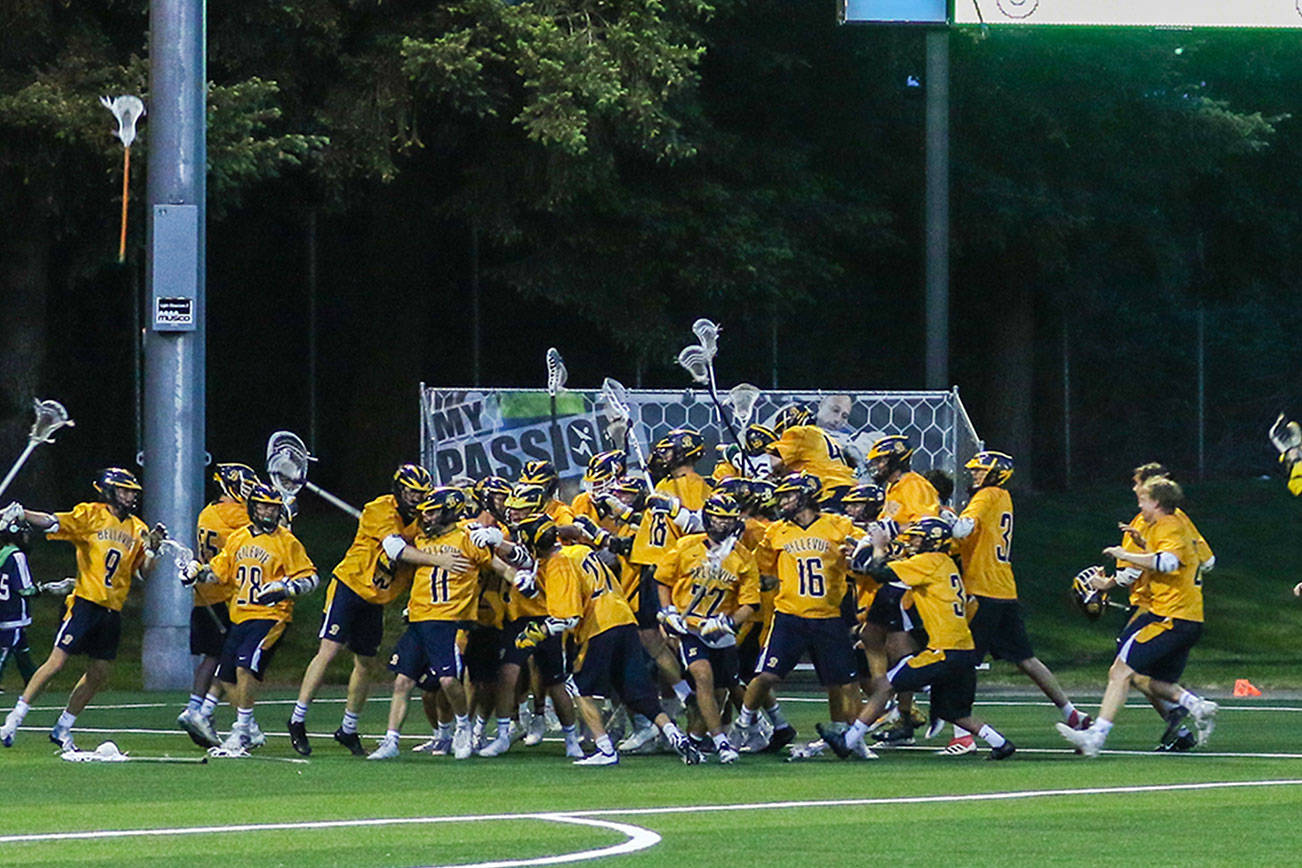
616	507
194	574
153	537
525	582
486	537
717	627
59	588
663	504
273	593
672	620
12	512
688	521
1125	577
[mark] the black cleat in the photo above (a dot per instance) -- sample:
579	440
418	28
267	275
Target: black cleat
350	740
1004	751
780	739
901	734
1184	742
1174	723
835	740
298	737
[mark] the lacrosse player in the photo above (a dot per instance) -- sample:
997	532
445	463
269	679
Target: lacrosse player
805	447
16	587
375	571
1158	641
210	617
755	497
947	664
441	601
756	440
583	595
603	470
804	550
113	546
266	566
528	604
543	474
985	538
714	586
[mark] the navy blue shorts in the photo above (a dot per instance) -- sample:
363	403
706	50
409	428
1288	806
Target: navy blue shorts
826	640
249	645
13	639
724	662
951	675
208	628
483	654
648	599
998	630
885	610
548	655
91	629
428	648
350	620
1159	647
614	664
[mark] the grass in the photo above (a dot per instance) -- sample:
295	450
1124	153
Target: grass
1209	826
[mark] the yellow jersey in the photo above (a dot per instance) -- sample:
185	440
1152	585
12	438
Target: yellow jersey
366	569
558	511
109	551
656	533
1179	593
582	505
700	589
723	469
809	565
936	590
811	449
690	488
604	606
249	562
441	595
216	522
910	498
560	578
1295	478
987	550
1140	594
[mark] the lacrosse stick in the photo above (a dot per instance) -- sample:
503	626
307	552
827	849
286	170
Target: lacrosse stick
616	398
556	377
698	361
287	460
108	752
1285	437
50	417
177	557
127	110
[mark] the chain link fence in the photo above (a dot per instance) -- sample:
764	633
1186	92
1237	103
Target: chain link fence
477	432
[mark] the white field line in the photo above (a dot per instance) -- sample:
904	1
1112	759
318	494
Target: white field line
593	814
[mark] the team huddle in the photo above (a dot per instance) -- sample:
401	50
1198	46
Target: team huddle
659	608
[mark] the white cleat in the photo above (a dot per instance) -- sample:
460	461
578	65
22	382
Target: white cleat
961	746
496	747
256	736
516	732
863	751
238	740
640	738
536	730
199	728
388	749
426	746
751	740
1204	715
461	742
8	729
62	736
727	754
599	759
573	749
1088	741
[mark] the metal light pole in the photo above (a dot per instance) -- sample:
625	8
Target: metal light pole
937	209
174	340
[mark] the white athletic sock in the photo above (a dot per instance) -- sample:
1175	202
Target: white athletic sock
503	727
444	730
349	725
775	715
671	730
1067	710
682	690
480	722
720	739
391	735
746	717
209	705
66	720
243	717
1102	725
571	734
960	732
604	745
299	714
194	702
462	721
1187	700
990	736
20	710
854	735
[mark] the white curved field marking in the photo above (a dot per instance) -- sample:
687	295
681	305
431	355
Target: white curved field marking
637	838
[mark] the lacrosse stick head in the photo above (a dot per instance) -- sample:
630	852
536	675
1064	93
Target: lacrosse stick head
696	361
556	373
127	109
743	397
1285	435
287	460
616	397
174	558
708	334
50	417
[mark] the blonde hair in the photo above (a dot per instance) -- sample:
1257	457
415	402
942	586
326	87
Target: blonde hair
1166	493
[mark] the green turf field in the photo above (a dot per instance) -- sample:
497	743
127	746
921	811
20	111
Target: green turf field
346	811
